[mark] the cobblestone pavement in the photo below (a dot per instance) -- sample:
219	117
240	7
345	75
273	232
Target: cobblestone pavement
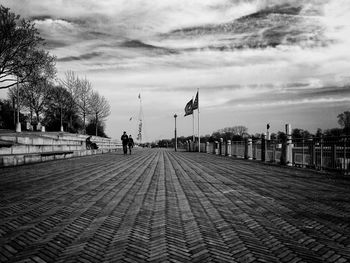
164	206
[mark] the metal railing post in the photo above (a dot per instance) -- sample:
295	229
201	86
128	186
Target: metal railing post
263	147
344	152
228	148
302	155
321	153
248	151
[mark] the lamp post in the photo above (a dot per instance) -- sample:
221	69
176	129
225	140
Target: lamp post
18	124
175	116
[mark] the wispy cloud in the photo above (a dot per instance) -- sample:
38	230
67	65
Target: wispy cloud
81	57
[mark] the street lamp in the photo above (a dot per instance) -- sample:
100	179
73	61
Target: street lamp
18	124
175	116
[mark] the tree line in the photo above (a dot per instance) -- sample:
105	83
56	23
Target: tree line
30	75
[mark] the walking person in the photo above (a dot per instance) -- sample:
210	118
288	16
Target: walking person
130	143
125	141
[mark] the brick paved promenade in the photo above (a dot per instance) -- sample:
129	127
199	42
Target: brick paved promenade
163	206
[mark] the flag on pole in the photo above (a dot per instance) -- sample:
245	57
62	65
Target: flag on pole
195	103
189	108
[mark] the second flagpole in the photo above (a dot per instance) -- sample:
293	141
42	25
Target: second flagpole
199	136
193	135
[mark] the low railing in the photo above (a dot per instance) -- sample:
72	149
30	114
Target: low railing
329	154
323	154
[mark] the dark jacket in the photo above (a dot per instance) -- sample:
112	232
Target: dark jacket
131	142
125	139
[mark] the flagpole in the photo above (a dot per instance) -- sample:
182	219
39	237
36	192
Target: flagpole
193	138
199	136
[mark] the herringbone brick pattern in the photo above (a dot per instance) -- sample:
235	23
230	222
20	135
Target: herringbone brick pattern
164	206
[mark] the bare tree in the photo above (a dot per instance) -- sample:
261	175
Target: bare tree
37	90
344	121
70	82
99	108
60	110
239	130
84	93
19	38
81	90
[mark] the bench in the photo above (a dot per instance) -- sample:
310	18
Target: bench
6	144
56	153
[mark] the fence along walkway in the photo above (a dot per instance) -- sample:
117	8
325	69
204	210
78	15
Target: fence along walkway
329	154
158	205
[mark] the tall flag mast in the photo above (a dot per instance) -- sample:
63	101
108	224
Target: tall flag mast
196	107
189	108
139	135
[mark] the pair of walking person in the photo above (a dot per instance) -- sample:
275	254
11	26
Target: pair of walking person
128	142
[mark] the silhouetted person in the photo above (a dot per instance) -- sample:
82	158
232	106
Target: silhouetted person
89	144
130	143
125	141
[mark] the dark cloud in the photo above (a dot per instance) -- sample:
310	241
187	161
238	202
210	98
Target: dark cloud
270	27
342	91
41	17
296	94
81	57
285	9
139	44
55	43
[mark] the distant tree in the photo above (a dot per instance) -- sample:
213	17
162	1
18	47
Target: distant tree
99	108
70	82
273	136
61	110
19	39
234	133
7	115
206	138
84	95
344	121
335	132
319	133
81	91
91	128
37	91
256	136
165	143
216	135
281	136
300	133
240	130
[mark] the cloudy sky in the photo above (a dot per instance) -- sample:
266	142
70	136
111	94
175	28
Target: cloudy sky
254	61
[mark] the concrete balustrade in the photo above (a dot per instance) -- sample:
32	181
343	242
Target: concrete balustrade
39	147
